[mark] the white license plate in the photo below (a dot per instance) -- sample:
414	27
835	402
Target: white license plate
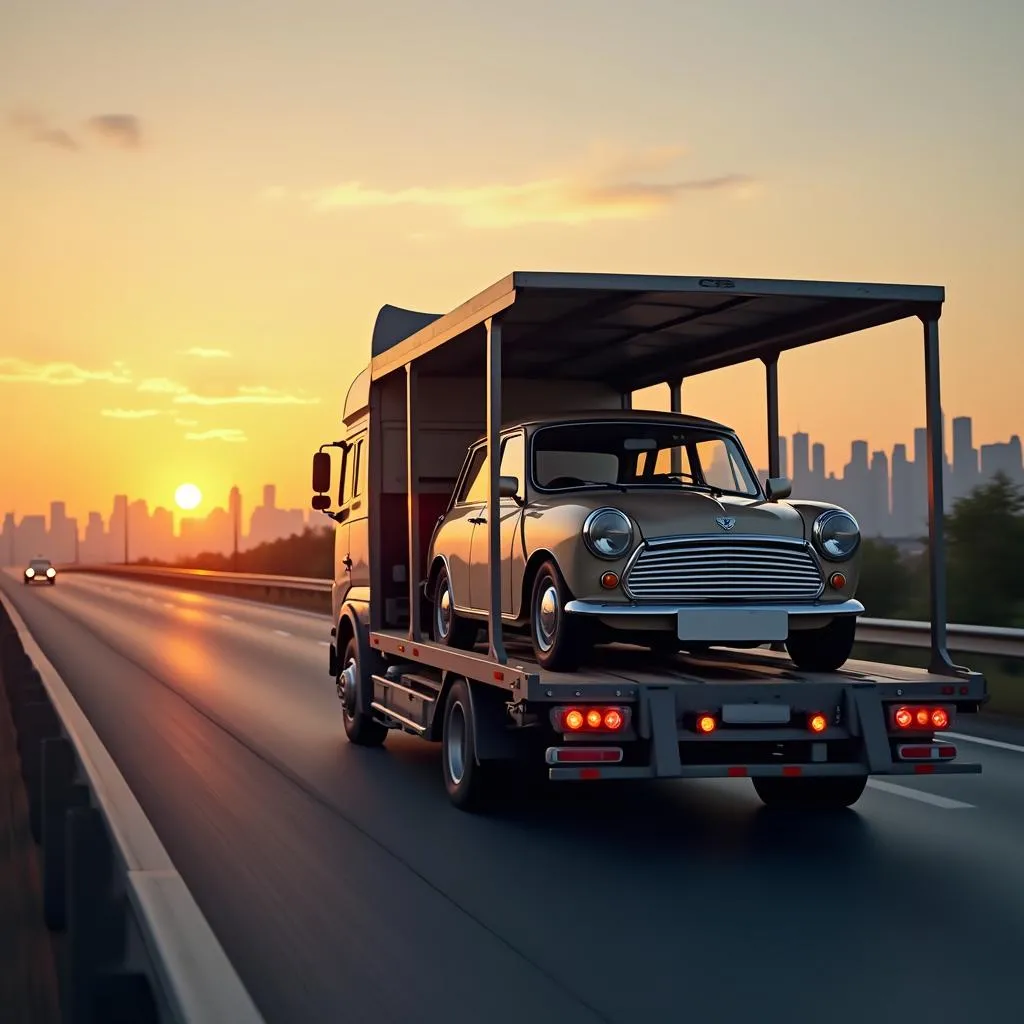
733	625
755	714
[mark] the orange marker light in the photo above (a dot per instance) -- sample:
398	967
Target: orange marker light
923	718
940	718
574	720
609	581
613	719
817	722
838	580
594	718
706	723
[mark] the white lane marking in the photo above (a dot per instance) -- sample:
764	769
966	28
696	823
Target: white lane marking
983	742
230	618
281	632
324	643
167	604
916	794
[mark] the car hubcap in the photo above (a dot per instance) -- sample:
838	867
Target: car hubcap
547	617
456	743
443	616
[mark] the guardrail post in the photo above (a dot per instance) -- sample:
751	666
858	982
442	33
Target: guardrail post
34	722
59	794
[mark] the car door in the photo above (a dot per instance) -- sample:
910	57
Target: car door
455	538
513	463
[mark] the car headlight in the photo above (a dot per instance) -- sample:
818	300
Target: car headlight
30	573
51	573
608	533
836	534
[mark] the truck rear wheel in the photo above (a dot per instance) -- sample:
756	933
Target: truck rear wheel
471	786
813	793
825	649
361	730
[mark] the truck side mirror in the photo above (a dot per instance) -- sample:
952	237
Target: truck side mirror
778	487
508	486
321	502
321	473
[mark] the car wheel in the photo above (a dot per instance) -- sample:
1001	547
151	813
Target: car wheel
446	625
360	728
825	649
558	639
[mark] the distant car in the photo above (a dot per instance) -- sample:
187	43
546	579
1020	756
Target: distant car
40	571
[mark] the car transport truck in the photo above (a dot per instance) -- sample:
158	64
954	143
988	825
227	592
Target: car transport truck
556	586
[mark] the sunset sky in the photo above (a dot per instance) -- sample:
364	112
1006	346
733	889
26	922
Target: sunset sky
203	206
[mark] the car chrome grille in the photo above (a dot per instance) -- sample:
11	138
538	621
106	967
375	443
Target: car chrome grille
724	569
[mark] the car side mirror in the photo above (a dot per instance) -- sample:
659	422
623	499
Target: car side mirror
778	487
508	486
322	473
321	502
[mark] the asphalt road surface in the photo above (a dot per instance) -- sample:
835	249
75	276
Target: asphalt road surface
344	886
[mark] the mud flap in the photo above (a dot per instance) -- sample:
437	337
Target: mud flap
661	705
871	720
492	728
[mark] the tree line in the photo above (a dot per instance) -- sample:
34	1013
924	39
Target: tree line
984	562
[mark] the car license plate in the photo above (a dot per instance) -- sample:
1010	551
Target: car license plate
733	625
756	714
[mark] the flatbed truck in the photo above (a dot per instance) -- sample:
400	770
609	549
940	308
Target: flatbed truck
543	344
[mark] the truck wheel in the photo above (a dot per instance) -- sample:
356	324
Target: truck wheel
447	627
471	786
361	730
825	649
557	637
814	793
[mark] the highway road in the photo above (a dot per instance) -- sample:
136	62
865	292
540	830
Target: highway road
345	887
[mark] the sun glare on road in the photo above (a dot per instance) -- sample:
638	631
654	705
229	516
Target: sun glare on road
188	496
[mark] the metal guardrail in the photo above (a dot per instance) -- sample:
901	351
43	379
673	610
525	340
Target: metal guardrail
966	639
136	946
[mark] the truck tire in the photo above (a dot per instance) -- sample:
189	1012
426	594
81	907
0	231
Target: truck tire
557	638
821	793
471	786
446	626
360	729
825	649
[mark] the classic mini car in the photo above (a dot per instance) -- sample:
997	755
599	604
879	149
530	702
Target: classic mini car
40	571
646	528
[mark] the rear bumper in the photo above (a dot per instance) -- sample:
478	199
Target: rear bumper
579	773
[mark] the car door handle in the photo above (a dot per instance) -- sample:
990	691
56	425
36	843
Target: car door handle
348	564
479	520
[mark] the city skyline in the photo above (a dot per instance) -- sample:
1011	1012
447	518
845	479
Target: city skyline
886	491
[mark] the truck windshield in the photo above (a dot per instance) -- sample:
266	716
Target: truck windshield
631	454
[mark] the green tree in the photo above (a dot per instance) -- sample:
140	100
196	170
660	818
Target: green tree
985	555
885	580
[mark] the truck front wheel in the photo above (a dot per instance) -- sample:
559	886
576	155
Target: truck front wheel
813	793
359	727
825	649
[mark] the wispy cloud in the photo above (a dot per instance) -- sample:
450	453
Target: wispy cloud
129	414
187	423
162	386
21	371
208	353
221	434
247	396
36	128
614	191
121	130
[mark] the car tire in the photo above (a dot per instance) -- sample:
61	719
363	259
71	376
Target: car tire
360	728
447	627
811	793
559	640
826	649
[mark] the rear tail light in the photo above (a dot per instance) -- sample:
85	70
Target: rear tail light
817	722
926	752
919	717
592	718
583	755
706	724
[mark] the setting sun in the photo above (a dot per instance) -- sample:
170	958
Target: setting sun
188	496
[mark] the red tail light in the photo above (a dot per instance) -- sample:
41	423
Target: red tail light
817	722
706	724
593	718
919	718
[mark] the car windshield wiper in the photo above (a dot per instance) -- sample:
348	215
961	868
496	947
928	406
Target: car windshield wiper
715	492
607	484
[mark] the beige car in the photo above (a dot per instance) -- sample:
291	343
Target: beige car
646	528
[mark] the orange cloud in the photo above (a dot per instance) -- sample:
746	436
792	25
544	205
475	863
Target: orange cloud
611	191
221	434
21	371
208	353
129	414
121	130
35	127
247	396
162	386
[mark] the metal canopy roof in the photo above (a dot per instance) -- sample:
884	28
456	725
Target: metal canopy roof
637	330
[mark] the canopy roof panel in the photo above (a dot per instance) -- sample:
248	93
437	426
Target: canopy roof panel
637	330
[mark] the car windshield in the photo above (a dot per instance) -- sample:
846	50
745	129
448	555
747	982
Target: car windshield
39	564
633	455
